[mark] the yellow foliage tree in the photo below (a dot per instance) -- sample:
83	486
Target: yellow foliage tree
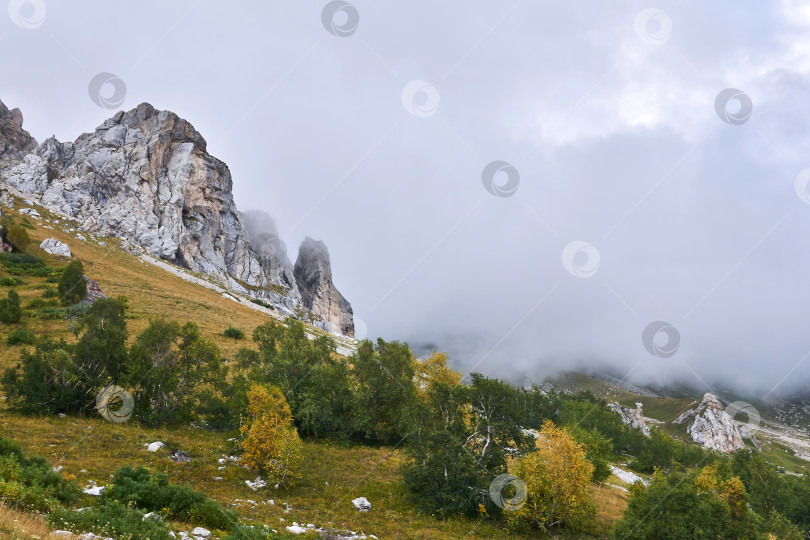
434	370
271	445
732	490
557	478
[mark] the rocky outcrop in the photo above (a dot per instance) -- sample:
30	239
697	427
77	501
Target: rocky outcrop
55	247
93	291
633	417
15	142
313	273
145	176
711	426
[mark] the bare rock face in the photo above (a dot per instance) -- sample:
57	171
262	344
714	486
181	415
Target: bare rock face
15	142
313	273
145	176
711	426
93	291
633	417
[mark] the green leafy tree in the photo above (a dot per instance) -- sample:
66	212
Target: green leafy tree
166	363
72	285
101	352
494	423
598	450
701	505
314	382
10	311
385	392
441	474
46	380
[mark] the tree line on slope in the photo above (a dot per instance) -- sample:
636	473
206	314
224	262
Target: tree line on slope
458	437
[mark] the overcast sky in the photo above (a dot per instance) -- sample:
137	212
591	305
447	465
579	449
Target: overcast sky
370	125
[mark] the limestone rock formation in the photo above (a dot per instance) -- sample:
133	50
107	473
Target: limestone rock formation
15	142
711	426
55	247
93	291
145	176
313	273
633	417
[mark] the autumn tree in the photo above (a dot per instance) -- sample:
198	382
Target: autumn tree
18	237
434	370
271	443
708	503
557	477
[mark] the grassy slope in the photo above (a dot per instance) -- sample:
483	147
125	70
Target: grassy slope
334	475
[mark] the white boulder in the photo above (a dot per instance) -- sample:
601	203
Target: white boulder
55	247
362	504
155	446
201	533
256	484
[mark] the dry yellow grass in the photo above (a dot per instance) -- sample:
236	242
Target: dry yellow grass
20	525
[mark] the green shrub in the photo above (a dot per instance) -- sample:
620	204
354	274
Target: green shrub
50	292
8	282
37	303
29	482
49	313
234	333
77	311
21	337
262	303
111	518
10	308
19	264
141	489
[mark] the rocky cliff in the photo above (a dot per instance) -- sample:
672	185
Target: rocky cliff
712	426
15	142
313	273
145	176
633	417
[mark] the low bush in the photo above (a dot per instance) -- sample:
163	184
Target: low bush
111	518
25	264
21	337
8	282
50	292
49	313
37	303
77	311
29	482
234	333
153	492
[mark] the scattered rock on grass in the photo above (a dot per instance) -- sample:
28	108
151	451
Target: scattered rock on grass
155	446
362	504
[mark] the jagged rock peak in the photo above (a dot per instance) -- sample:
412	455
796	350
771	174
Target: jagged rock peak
15	142
313	273
712	426
145	176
